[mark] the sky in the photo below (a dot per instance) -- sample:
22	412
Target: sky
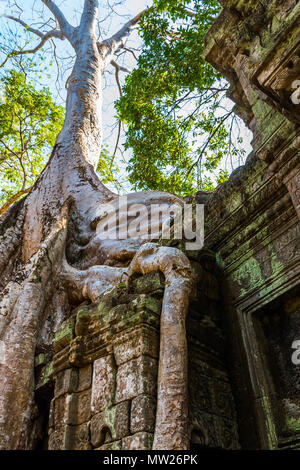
110	23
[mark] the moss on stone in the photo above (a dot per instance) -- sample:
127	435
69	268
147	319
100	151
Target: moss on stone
292	424
45	375
65	334
149	283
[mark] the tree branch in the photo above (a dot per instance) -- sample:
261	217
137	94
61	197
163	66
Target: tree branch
119	68
189	12
13	199
90	13
131	52
26	26
111	45
224	118
64	25
55	33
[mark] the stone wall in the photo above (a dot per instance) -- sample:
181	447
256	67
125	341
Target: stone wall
104	371
252	221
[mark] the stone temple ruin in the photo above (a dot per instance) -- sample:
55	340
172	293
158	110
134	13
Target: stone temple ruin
98	390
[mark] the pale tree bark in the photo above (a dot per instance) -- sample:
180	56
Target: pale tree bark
50	253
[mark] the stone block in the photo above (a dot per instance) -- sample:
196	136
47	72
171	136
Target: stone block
136	377
79	437
84	378
139	441
80	408
66	382
44	376
40	360
58	438
103	387
141	341
149	283
88	319
117	445
61	410
110	425
64	334
77	351
143	410
142	302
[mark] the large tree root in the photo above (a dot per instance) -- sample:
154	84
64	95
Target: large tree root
22	305
171	429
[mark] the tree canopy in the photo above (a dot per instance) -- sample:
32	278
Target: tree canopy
178	125
29	123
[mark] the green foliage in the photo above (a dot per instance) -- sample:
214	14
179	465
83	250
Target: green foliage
29	124
107	168
172	105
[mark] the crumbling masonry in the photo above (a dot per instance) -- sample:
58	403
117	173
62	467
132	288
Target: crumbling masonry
98	390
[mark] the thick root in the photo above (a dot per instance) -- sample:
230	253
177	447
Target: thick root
171	428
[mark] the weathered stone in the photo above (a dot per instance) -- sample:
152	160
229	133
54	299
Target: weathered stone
139	441
88	319
136	377
252	225
117	445
44	375
40	360
76	352
141	341
64	334
222	399
149	283
226	433
147	302
293	184
204	431
84	378
66	382
58	438
62	410
103	388
80	408
79	437
111	424
142	309
142	414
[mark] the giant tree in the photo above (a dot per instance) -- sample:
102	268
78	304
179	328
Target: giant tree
51	254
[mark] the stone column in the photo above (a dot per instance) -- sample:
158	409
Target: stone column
105	371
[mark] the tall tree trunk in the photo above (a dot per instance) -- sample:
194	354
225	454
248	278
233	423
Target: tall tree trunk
32	243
